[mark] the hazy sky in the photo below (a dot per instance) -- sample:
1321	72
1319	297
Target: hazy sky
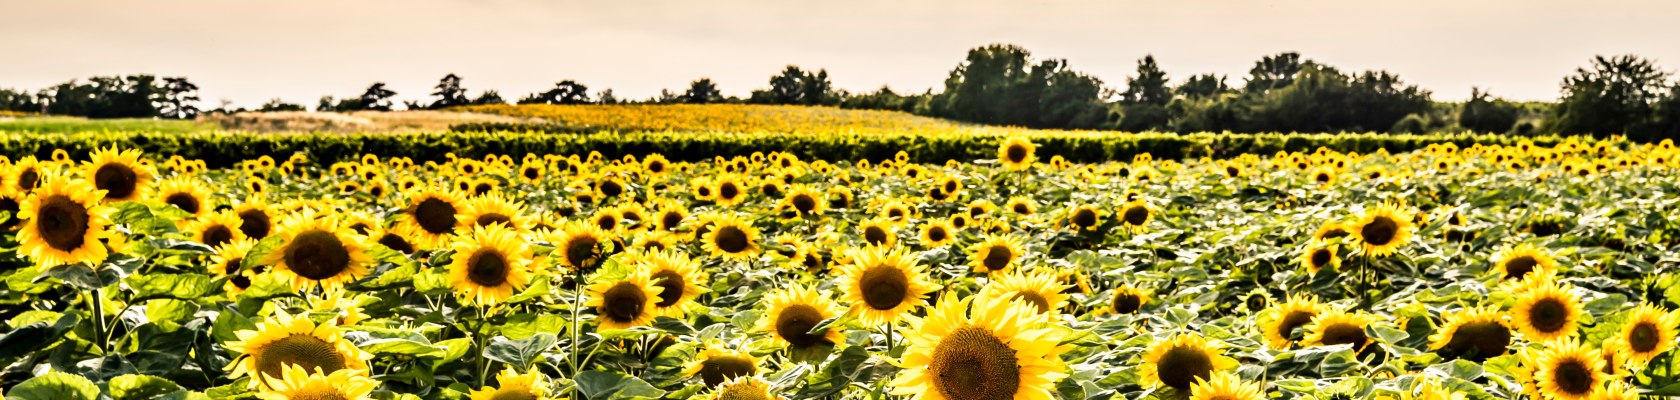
249	51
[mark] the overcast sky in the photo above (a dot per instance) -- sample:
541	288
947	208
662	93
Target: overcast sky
249	51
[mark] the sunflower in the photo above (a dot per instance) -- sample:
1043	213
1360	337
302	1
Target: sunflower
1339	327
840	197
938	233
625	303
1546	311
1127	300
1324	175
680	277
489	264
216	228
1617	390
1476	334
1135	215
1225	386
63	223
878	232
980	347
731	238
1040	289
119	173
1278	322
995	254
718	364
1382	230
1016	153
294	382
285	339
432	216
510	384
745	387
1517	261
1330	230
22	176
808	257
1181	360
227	261
727	191
317	251
494	208
580	246
1568	370
256	219
884	284
1021	205
794	311
806	200
670	217
1321	255
1084	218
185	194
1649	332
978	208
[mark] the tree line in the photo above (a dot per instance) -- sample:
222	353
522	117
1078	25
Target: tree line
1005	85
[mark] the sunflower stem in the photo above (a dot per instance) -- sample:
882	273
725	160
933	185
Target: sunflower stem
95	301
478	339
577	304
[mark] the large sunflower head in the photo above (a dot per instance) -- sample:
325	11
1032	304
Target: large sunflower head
64	221
1546	311
256	218
510	384
22	176
580	246
318	251
1476	334
794	311
432	214
1648	332
1339	327
1016	153
980	347
745	387
1041	289
1135	215
285	339
494	208
678	275
1084	218
732	238
294	382
490	264
884	284
119	173
624	303
997	253
1382	230
186	194
878	232
1127	300
806	200
728	191
1181	360
1225	386
938	233
1516	262
1278	322
1568	370
719	363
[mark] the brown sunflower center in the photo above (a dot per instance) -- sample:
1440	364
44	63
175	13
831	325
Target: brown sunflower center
1232	172
1294	319
997	257
606	222
741	391
875	235
1548	315
487	268
728	191
884	287
217	235
719	369
317	255
582	250
1380	231
731	239
804	203
1136	215
512	394
117	180
232	265
1571	375
1016	153
531	173
972	364
28	179
435	215
1037	300
1519	266
1344	333
1126	303
1320	258
673	284
1333	233
254	223
1085	218
611	188
1480	340
813	262
670	220
1020	208
396	242
184	201
1643	338
794	324
951	186
1181	365
937	234
62	222
494	218
1322	178
302	350
623	302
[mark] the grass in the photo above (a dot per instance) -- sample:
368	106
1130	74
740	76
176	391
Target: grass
64	125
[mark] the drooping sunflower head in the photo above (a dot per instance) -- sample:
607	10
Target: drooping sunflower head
1127	300
718	364
624	303
285	339
186	194
1084	218
997	253
318	251
1649	331
1278	322
510	384
119	173
794	311
1135	215
490	264
938	233
1039	288
433	214
745	387
64	221
294	382
1476	334
732	238
1016	153
1225	386
980	347
1568	370
1332	328
1382	230
884	284
679	276
1547	311
217	228
1179	361
1516	262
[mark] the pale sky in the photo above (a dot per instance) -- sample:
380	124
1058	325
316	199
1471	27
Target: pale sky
249	51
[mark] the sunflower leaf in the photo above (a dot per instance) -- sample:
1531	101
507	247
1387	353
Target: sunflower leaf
55	385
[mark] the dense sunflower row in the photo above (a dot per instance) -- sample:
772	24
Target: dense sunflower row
1483	272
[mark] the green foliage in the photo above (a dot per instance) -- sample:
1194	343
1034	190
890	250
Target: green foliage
999	85
1619	95
1481	114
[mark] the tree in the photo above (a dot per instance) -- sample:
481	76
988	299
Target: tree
1203	86
376	98
134	96
1612	96
489	97
564	92
18	100
274	105
1273	72
702	91
180	98
1482	113
607	97
1149	86
449	93
797	86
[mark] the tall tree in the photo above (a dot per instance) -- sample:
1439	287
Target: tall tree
1203	86
1273	72
449	92
1483	113
702	91
1612	96
1149	86
489	97
180	98
564	92
376	97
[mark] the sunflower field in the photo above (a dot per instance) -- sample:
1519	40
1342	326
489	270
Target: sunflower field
1501	271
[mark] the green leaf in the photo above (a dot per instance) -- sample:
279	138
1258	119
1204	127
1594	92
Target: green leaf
520	326
54	385
81	276
258	252
453	349
185	246
519	352
143	387
537	289
36	336
172	286
613	385
403	347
